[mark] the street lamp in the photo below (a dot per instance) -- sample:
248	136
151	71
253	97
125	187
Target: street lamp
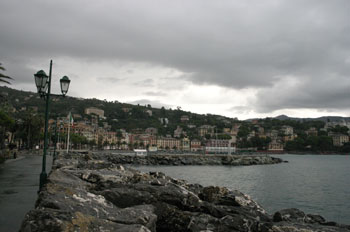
43	85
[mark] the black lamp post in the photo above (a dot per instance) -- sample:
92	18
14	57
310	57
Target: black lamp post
43	84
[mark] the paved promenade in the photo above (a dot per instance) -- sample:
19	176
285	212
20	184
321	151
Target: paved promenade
19	183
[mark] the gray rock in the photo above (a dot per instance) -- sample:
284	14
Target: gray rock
93	192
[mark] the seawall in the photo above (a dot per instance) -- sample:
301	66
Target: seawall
91	193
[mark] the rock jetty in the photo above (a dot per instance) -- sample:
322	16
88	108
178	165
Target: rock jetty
91	193
191	159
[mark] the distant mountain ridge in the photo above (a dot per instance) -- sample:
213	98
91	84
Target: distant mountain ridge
323	118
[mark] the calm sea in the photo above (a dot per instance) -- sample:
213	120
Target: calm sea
317	184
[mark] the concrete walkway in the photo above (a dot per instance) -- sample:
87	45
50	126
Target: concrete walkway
19	183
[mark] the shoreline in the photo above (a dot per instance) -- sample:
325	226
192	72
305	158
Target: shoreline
90	193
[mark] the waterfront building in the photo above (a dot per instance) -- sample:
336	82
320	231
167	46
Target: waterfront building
339	139
219	146
275	146
110	137
167	143
142	140
185	144
196	145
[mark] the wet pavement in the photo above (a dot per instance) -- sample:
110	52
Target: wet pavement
19	183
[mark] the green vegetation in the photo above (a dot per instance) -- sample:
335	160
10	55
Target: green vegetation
21	116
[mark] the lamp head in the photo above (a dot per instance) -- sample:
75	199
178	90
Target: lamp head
41	81
64	85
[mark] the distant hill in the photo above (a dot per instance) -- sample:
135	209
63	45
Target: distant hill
323	119
128	116
118	115
283	117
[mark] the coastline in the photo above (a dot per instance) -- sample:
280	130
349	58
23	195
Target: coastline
90	193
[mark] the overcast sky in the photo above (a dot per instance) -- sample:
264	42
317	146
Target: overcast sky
240	59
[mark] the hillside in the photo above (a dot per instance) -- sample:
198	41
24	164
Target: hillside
118	115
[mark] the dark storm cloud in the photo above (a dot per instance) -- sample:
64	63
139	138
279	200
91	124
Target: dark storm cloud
328	93
236	44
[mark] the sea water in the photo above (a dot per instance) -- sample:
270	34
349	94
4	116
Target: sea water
316	184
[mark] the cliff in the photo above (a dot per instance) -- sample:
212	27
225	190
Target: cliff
91	193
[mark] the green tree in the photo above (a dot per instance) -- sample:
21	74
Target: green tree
224	136
6	122
325	143
243	131
340	129
297	144
260	143
78	140
30	129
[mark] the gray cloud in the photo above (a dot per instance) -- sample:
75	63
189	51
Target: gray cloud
145	83
155	94
327	93
111	79
235	44
241	109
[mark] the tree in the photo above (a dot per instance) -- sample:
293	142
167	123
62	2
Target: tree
105	143
224	136
325	143
30	130
4	78
243	131
340	129
297	144
92	143
99	142
78	140
5	123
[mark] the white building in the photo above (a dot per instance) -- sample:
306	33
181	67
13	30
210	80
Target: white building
140	152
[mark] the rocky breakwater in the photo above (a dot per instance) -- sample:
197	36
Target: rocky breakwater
192	159
90	193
